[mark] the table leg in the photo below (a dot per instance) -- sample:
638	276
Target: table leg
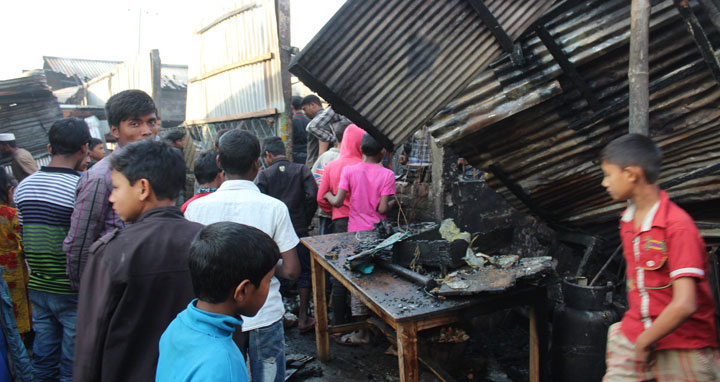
322	339
407	351
538	336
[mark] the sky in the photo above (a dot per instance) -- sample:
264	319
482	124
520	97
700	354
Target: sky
108	30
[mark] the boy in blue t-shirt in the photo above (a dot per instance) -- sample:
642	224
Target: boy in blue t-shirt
229	281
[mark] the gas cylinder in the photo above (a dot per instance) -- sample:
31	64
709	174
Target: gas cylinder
579	332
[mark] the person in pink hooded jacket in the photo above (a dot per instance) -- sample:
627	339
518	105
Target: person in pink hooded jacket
350	154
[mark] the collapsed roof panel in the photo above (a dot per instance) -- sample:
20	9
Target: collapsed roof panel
539	132
390	65
27	109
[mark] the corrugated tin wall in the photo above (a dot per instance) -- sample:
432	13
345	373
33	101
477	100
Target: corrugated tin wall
236	67
28	109
533	124
390	65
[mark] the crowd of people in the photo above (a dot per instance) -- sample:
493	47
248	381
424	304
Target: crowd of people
123	284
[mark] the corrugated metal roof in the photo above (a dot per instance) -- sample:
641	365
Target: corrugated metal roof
390	65
28	109
534	125
84	69
236	67
172	76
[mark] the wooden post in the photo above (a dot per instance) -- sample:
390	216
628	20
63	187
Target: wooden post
407	351
156	77
285	127
322	338
638	68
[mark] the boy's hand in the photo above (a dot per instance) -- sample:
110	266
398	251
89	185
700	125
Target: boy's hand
328	195
644	352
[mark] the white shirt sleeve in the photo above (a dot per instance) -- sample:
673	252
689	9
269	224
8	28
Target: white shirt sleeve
284	234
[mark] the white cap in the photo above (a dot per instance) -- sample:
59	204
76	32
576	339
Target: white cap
7	137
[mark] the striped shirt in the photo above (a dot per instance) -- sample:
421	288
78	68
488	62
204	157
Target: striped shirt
45	202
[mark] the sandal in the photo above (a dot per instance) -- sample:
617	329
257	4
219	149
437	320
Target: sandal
351	339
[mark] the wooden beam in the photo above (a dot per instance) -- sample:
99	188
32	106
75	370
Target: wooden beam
701	39
234	65
322	339
639	120
234	117
228	15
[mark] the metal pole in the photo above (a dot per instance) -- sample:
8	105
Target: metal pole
638	68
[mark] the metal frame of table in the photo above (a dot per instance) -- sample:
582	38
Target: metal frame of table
374	291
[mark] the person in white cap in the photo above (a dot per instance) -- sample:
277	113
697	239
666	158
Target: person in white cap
23	163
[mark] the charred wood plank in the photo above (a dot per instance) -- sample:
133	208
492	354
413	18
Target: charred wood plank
519	192
567	67
701	39
514	50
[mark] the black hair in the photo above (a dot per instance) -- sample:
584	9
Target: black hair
218	134
4	186
158	162
635	150
12	143
296	102
175	135
206	168
128	104
94	142
218	264
68	136
239	149
312	98
339	130
369	146
273	145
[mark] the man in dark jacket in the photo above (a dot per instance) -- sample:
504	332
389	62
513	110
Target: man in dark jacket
137	278
299	121
294	185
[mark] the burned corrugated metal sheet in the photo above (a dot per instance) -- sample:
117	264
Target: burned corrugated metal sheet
540	136
236	69
28	109
81	68
174	77
390	65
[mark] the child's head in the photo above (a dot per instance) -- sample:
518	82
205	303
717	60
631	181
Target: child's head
206	169
239	153
97	149
132	116
272	147
69	138
145	175
627	162
371	148
224	272
339	131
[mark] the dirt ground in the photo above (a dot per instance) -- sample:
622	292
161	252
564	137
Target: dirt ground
497	355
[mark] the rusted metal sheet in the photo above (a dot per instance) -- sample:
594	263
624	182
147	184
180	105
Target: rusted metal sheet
27	109
390	65
236	67
535	125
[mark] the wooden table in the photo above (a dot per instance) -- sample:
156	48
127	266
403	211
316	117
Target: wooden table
407	309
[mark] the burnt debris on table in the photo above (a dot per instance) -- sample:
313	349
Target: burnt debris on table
422	254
